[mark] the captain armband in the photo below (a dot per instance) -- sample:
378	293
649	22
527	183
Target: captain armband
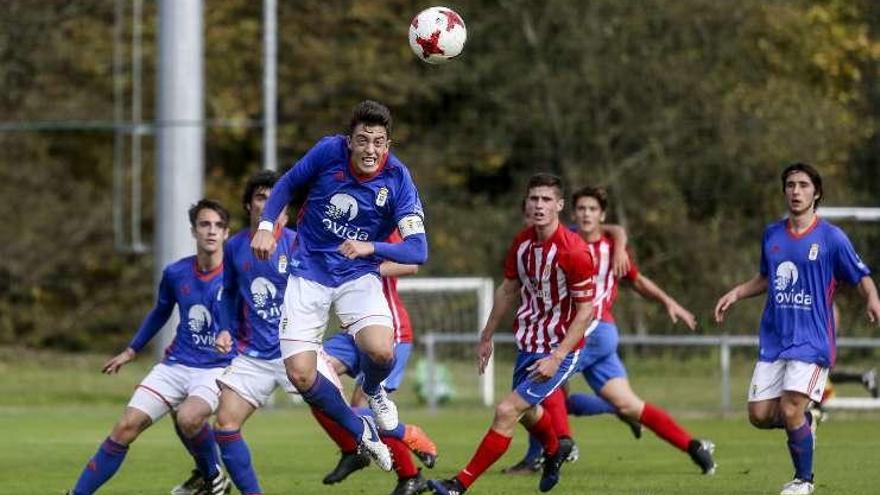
411	224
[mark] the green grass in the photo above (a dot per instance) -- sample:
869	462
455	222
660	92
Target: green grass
55	409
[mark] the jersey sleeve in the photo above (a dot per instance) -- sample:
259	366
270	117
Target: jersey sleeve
300	174
228	297
764	268
408	212
157	316
580	274
633	268
848	266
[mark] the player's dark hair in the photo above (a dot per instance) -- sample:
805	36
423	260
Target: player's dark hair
597	193
264	179
370	113
811	172
548	180
208	204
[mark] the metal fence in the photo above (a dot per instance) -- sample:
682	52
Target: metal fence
724	342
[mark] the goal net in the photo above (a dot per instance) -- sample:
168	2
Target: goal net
447	315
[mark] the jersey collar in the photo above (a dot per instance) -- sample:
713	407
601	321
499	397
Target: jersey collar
803	234
206	276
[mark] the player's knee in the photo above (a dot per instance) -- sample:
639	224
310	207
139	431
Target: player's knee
226	422
761	419
126	430
190	423
382	356
301	376
506	412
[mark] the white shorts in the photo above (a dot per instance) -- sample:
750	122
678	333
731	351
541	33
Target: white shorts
256	379
770	379
168	385
358	303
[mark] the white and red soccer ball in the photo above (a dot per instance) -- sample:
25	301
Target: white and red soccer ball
437	34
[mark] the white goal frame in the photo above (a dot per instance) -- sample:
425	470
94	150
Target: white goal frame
484	288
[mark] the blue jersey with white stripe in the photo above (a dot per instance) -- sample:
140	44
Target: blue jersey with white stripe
196	295
341	206
803	272
253	293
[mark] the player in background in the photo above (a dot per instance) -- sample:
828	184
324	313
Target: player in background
358	193
555	404
549	270
600	362
185	380
806	256
344	356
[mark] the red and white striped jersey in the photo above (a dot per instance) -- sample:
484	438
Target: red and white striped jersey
403	332
555	275
606	282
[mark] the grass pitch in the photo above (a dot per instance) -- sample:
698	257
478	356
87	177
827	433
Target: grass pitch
55	409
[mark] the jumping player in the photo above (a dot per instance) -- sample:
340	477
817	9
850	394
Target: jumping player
807	257
550	271
185	380
358	193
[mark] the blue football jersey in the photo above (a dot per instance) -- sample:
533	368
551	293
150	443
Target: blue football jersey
253	293
341	206
196	295
803	272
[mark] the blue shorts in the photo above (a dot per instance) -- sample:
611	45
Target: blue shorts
599	361
535	392
342	347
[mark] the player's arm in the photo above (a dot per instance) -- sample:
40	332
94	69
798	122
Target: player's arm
392	269
756	285
650	290
505	297
620	261
151	325
868	290
413	250
301	174
546	367
228	304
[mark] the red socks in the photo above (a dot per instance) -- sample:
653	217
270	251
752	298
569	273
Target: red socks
336	432
493	446
661	423
544	432
403	463
554	405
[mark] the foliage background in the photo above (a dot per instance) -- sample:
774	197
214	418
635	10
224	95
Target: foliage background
686	110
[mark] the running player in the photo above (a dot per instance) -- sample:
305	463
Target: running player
806	256
185	380
600	363
358	193
550	271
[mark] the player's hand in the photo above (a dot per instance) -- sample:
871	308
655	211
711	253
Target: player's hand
723	304
223	343
620	261
112	366
484	352
873	312
545	368
676	312
356	249
263	244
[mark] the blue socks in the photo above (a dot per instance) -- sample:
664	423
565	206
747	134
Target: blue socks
203	449
374	374
800	446
101	467
397	433
535	449
237	458
588	405
325	396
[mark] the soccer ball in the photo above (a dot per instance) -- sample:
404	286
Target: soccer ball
437	34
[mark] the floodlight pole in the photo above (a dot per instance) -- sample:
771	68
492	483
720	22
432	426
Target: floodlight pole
270	86
179	135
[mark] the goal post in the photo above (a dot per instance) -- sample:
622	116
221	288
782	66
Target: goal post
437	322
